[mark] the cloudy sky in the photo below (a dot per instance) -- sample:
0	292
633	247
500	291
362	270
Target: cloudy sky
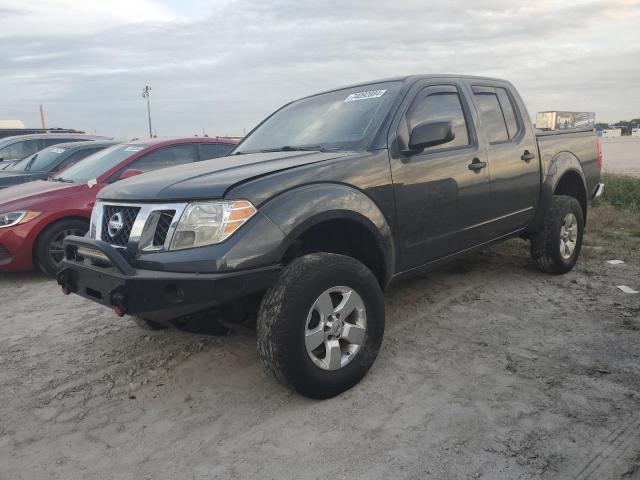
223	65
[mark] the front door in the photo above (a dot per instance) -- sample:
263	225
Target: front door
442	193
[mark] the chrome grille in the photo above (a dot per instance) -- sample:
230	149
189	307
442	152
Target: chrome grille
119	237
162	228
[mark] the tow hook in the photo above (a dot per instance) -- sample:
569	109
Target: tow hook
117	303
64	282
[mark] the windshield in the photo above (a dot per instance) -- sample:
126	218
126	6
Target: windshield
93	166
343	119
43	161
21	166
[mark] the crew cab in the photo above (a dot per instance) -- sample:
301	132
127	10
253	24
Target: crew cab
328	201
36	216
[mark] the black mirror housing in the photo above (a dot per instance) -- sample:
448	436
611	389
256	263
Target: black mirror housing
429	134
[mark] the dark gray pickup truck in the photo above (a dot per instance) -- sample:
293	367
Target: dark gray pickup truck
328	201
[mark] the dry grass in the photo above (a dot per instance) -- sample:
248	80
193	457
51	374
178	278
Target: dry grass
612	232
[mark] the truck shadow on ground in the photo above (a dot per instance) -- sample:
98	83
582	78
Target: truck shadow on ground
241	317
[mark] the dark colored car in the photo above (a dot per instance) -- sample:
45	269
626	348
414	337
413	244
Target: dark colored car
328	201
36	216
21	146
49	161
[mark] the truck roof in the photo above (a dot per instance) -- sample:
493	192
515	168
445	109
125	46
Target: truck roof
410	79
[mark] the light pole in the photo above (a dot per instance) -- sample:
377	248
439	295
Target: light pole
146	93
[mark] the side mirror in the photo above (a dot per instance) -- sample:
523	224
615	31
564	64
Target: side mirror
131	172
430	134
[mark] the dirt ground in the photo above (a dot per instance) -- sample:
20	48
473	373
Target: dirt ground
488	369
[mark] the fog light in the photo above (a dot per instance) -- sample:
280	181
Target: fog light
93	254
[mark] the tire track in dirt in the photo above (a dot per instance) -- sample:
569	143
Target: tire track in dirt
616	445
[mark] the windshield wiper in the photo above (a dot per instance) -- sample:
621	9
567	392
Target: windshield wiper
295	148
60	179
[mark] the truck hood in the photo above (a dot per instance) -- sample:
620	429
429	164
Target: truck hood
24	196
210	178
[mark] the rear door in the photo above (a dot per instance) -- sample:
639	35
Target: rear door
440	199
512	155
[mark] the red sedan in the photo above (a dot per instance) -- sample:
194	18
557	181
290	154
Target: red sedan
36	216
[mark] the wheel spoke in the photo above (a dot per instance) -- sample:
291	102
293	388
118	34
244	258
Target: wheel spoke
348	304
353	333
334	354
314	338
324	305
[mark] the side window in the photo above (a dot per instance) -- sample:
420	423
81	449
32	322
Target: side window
508	111
491	116
439	106
20	149
76	157
214	150
164	157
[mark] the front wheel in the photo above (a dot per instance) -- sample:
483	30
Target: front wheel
321	326
556	246
48	249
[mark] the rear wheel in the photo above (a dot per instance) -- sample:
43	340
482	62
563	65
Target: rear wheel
556	246
48	249
320	327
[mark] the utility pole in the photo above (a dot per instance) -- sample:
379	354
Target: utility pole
146	93
42	117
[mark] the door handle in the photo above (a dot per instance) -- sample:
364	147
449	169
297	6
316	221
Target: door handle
527	155
476	165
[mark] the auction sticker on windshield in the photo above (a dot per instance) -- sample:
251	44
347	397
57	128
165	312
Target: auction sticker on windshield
364	95
57	150
133	149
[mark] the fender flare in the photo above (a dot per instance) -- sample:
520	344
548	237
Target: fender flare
561	164
297	210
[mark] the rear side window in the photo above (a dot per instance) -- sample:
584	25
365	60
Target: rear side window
164	157
508	111
214	150
20	149
430	106
491	117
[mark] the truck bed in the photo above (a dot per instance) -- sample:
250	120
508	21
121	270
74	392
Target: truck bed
581	143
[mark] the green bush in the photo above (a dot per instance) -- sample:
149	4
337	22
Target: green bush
622	191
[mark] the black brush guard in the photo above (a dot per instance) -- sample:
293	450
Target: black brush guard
155	295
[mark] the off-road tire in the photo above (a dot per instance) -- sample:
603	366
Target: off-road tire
545	243
282	318
148	324
41	248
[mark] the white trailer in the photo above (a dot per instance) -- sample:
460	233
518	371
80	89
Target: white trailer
612	132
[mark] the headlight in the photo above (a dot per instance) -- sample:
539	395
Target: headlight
207	223
15	218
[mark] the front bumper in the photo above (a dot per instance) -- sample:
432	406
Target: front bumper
155	295
16	247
